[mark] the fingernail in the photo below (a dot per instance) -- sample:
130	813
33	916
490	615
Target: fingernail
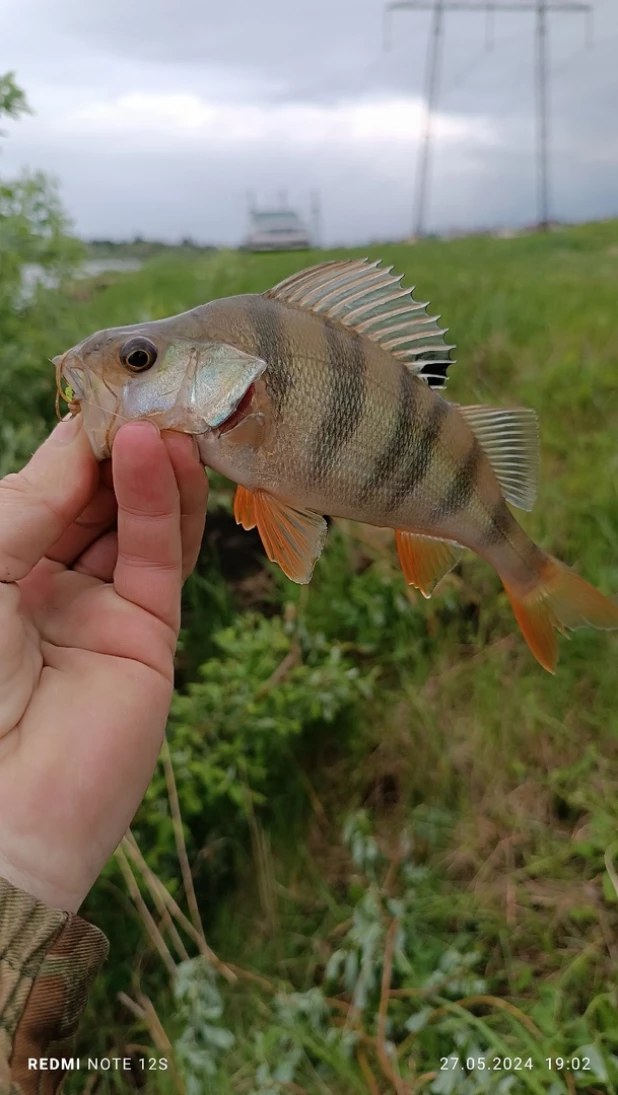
141	424
67	430
190	439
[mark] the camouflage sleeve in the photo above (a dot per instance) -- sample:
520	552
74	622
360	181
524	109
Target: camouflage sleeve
48	960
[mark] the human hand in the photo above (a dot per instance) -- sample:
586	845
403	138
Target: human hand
89	620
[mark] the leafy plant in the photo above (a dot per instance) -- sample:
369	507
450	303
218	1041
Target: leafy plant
198	1010
232	731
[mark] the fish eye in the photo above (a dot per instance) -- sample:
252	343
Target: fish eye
138	354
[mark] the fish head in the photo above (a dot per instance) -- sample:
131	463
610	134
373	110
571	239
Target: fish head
149	371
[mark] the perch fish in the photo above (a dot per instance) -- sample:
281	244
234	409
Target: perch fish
323	396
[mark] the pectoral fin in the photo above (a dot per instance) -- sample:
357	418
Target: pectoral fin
425	560
293	538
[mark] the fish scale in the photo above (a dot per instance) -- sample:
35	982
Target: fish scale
323	396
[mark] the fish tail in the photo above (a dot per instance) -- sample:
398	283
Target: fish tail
560	600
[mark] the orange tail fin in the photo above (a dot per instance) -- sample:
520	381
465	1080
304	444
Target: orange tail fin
561	600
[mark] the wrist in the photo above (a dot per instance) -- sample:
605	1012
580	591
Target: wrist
50	894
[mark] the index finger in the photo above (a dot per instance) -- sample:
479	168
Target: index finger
41	501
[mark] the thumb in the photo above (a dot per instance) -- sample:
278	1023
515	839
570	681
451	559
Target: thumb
39	503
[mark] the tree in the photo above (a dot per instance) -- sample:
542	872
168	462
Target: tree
34	239
13	102
33	225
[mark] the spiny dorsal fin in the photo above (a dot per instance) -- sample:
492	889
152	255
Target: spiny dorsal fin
510	438
371	301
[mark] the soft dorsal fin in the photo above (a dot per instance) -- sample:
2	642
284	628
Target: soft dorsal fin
510	438
371	301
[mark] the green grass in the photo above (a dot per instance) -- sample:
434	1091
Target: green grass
431	716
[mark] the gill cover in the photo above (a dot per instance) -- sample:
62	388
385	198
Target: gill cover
216	378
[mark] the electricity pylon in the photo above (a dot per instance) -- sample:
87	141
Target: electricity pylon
438	8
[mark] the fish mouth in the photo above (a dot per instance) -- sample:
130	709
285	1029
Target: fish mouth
241	411
72	375
84	392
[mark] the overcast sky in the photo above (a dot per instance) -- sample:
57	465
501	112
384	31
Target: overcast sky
158	116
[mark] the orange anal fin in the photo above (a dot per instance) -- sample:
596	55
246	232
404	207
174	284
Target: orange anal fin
244	508
564	601
293	538
425	560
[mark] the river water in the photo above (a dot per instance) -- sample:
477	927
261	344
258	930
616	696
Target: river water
32	274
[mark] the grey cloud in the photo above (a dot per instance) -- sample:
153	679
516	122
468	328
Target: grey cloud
329	52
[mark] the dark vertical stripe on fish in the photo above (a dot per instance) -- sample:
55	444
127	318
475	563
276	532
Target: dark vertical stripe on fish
422	439
501	522
389	460
272	347
503	528
348	393
463	485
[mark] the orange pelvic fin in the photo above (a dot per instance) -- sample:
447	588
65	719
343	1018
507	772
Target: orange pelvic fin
293	538
561	600
244	508
425	560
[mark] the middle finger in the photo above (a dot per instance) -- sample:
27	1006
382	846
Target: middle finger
193	489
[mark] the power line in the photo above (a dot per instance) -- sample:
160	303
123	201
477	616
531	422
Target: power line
438	8
504	104
472	66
